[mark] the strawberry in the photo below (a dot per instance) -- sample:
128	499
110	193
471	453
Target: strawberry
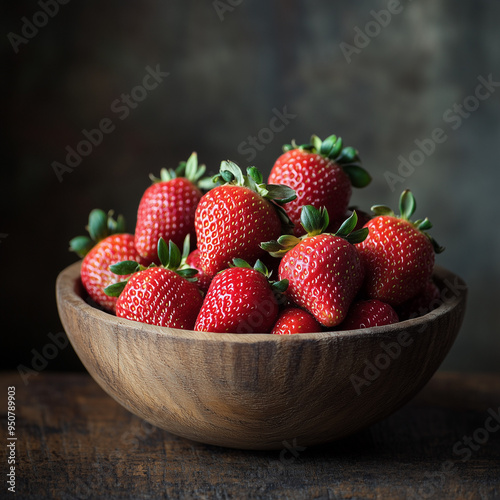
162	296
426	301
167	208
194	260
398	255
321	173
294	320
233	219
324	270
367	313
240	300
108	243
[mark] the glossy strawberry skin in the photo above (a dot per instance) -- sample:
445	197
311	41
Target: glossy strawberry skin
95	273
166	210
231	222
239	300
398	260
325	274
368	313
425	301
158	296
203	280
294	320
317	180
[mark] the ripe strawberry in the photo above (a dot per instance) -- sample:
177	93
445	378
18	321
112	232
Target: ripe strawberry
324	270
426	301
294	320
233	219
321	173
398	255
240	300
162	296
167	208
108	243
367	313
194	260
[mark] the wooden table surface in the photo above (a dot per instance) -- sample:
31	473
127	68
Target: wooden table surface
74	441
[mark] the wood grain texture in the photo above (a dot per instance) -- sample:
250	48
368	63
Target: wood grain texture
74	442
257	391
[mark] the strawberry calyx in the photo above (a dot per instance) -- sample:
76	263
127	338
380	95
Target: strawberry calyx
189	169
170	258
278	194
277	286
315	222
332	148
407	207
100	226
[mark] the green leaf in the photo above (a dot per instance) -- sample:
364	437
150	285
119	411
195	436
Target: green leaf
357	236
124	267
98	224
174	256
163	253
186	247
280	193
383	210
232	168
437	247
407	204
191	167
347	156
348	225
358	176
287	147
316	143
337	148
314	221
115	289
167	175
423	225
120	224
187	273
280	286
81	245
237	262
288	241
261	267
255	174
327	145
208	183
271	246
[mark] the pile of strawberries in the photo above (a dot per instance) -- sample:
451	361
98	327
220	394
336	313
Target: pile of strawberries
283	257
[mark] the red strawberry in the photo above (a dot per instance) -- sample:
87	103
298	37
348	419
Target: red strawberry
158	295
194	261
321	173
398	255
294	320
240	300
167	208
367	313
426	301
233	219
102	249
324	270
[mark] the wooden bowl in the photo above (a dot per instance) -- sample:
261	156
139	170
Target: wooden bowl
257	391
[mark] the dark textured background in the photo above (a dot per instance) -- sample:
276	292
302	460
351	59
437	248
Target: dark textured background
228	73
